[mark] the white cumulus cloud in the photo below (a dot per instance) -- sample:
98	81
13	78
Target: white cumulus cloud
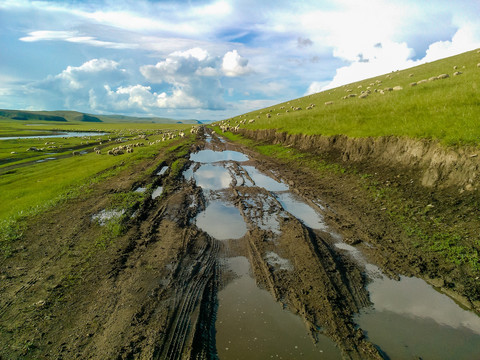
235	65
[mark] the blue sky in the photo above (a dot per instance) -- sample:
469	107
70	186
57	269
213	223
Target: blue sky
213	59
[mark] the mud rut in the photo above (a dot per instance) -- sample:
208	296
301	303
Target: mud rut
324	288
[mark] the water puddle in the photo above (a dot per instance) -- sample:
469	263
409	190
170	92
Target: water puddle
140	189
277	262
208	156
157	192
264	181
252	325
410	319
221	221
212	177
106	215
301	210
162	171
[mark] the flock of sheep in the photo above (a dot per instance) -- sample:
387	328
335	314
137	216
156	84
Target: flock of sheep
121	137
234	124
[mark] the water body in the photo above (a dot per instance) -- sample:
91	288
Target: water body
157	192
409	319
56	134
221	221
301	210
208	156
252	325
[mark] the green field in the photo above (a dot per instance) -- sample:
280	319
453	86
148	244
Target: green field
33	181
447	110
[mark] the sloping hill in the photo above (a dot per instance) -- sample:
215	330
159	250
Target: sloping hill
74	116
438	100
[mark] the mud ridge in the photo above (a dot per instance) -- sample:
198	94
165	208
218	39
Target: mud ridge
439	166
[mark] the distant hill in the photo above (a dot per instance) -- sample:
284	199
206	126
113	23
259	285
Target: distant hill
74	116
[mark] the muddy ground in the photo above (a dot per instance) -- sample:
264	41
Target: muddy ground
150	292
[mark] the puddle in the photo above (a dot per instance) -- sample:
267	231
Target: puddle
207	156
212	177
105	215
277	262
157	192
140	190
252	325
410	319
162	171
47	159
221	221
264	181
302	211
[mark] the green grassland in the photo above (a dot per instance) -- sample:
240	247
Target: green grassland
33	181
447	110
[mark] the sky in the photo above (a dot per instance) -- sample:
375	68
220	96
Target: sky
211	60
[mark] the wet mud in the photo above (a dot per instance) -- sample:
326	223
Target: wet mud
225	259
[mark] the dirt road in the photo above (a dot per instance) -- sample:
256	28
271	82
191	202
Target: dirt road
166	286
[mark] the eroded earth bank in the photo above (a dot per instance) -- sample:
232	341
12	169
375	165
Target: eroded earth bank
214	251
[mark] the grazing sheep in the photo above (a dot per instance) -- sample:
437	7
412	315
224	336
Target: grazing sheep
363	95
98	152
410	75
74	153
352	95
443	76
269	116
422	81
413	84
13	152
478	65
329	103
388	89
457	73
253	120
397	88
455	67
433	78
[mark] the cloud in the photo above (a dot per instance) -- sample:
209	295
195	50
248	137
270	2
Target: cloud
390	56
302	43
465	39
73	37
315	87
235	65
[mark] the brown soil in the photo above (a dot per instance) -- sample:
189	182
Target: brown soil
150	293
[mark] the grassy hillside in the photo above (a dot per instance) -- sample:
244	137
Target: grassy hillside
446	109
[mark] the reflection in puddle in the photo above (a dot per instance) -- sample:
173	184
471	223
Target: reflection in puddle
162	171
206	156
277	262
157	192
409	318
302	211
222	221
264	181
212	177
252	325
105	215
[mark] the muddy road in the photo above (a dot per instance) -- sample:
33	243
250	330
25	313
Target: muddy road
223	258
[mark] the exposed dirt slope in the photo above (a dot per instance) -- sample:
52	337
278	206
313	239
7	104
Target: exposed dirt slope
438	165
